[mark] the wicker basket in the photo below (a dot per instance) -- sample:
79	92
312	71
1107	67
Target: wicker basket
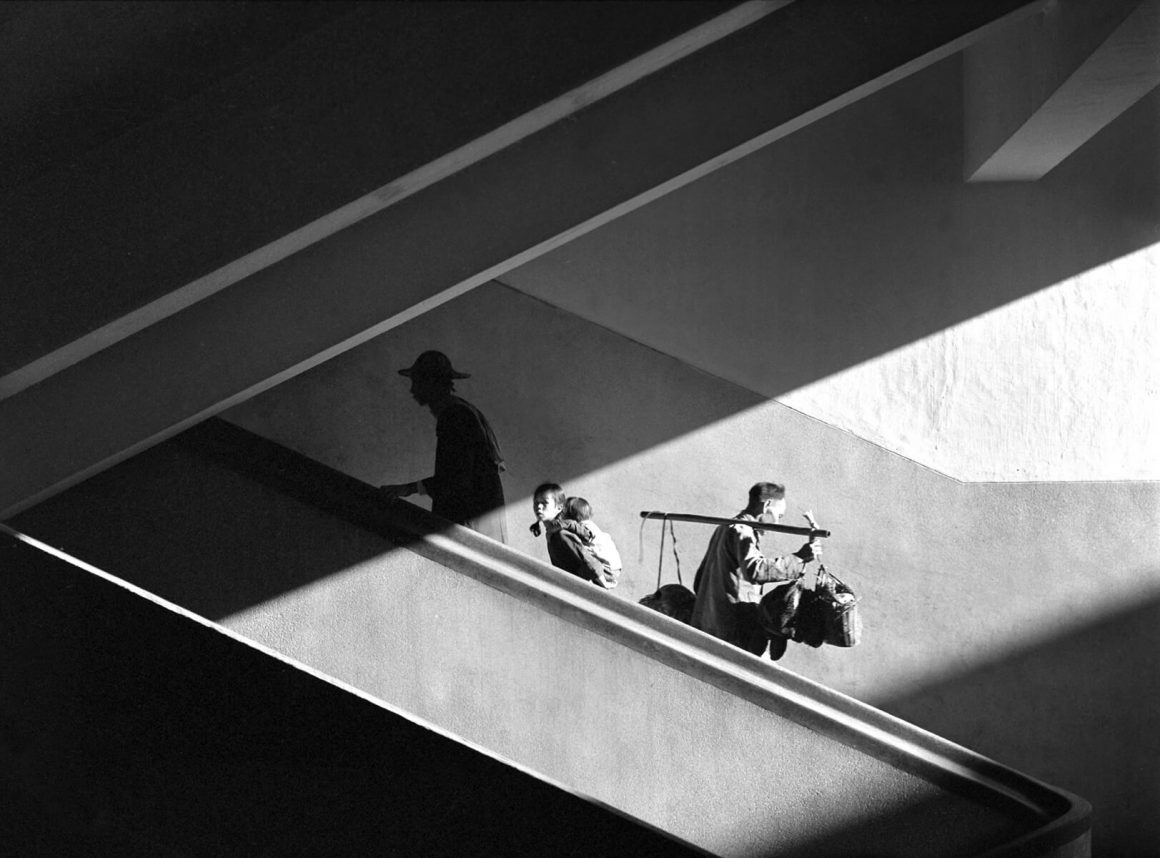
843	620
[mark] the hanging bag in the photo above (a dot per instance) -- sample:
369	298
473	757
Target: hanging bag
839	606
779	608
828	613
672	600
836	606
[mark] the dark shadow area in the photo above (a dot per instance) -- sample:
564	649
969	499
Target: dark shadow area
240	163
200	520
1097	682
892	835
1087	220
86	74
128	729
859	228
897	274
869	289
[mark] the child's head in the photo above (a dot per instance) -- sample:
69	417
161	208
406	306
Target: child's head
548	501
578	509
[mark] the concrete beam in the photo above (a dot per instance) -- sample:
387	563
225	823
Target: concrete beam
1037	92
683	121
258	165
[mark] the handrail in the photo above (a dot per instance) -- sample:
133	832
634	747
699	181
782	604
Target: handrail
1061	816
810	532
649	830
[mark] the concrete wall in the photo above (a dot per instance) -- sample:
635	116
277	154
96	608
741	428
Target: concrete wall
953	576
992	610
1006	331
129	728
514	660
336	115
840	245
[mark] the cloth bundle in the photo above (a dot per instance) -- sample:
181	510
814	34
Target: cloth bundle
827	613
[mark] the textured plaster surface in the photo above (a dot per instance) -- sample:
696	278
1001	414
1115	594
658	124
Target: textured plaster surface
1062	384
998	332
954	577
942	333
701	763
510	675
135	731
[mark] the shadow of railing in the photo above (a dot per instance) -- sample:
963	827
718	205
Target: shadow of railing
1094	681
976	804
201	520
131	727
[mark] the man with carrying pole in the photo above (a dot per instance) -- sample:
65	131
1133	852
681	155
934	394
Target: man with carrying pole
728	581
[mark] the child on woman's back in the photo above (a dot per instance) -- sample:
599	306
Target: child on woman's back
579	510
569	542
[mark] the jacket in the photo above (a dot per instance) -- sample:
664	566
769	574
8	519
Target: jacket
730	575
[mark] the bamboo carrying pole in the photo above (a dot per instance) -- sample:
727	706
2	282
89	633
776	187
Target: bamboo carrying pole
810	532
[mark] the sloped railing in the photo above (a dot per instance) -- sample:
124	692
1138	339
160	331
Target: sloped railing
132	727
672	726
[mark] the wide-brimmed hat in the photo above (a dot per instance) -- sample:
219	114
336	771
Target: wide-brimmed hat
432	364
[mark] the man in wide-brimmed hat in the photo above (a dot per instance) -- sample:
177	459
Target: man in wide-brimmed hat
466	486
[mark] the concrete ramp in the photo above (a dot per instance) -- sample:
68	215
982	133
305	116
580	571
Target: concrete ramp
129	727
644	714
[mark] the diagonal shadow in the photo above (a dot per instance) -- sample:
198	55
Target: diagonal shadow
218	520
254	157
1097	684
240	551
132	730
851	238
192	562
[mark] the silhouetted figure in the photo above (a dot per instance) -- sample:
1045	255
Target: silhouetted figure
728	580
466	485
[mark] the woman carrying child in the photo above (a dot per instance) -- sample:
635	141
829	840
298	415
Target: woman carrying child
577	509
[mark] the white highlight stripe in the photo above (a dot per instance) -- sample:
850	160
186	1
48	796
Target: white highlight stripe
380	199
305	668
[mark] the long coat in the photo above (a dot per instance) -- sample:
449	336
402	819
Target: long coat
466	486
728	579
